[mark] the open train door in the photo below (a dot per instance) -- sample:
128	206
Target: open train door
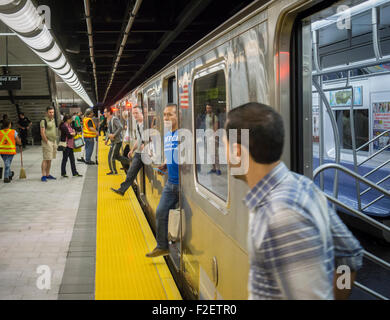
174	227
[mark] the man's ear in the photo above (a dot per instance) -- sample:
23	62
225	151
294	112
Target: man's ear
240	159
237	149
235	153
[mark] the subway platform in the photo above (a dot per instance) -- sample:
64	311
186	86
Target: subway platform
72	238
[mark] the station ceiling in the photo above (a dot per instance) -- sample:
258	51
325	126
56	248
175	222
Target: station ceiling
162	30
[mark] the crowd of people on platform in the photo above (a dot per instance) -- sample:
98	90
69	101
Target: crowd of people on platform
72	127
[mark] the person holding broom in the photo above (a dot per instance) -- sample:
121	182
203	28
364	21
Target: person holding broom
8	140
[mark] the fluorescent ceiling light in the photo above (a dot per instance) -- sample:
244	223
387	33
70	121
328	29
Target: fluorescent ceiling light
26	21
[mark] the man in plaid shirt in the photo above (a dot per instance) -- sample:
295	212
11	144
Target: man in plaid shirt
295	239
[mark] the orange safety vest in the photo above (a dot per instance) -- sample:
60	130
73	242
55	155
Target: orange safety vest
7	141
88	133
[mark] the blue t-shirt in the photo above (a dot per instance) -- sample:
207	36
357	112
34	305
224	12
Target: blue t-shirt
171	142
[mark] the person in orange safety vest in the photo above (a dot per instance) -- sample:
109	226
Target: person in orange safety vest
8	140
90	133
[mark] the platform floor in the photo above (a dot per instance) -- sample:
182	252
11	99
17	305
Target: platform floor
53	224
36	226
123	238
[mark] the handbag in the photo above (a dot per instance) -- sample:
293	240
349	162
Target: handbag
61	146
78	141
174	225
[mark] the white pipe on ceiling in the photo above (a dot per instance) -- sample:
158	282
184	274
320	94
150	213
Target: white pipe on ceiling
22	17
123	44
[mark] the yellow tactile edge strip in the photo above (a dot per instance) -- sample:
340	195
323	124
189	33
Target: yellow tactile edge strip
123	237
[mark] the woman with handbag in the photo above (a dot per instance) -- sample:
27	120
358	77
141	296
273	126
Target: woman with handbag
67	146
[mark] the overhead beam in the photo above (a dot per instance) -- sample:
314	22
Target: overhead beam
152	30
143	49
122	40
188	15
17	98
109	72
122	65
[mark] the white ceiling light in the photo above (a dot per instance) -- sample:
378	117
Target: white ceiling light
24	19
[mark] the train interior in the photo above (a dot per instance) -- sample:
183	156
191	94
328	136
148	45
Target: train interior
351	115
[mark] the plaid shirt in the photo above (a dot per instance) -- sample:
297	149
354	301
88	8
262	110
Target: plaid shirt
295	239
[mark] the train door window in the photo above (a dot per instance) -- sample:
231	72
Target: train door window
172	90
152	122
139	99
343	67
151	109
209	116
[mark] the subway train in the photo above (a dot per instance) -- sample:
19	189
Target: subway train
286	54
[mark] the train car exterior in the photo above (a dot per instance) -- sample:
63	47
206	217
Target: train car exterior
211	256
246	59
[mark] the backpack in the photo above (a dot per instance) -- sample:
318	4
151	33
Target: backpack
44	119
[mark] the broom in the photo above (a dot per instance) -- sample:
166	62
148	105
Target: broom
22	174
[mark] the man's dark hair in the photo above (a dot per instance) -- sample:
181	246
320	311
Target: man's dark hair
172	105
67	116
49	108
266	130
21	114
110	110
6	123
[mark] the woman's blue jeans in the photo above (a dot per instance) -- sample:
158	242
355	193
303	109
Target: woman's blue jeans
89	144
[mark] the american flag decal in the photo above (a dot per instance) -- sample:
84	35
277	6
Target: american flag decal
184	98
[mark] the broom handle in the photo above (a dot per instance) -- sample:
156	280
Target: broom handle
21	155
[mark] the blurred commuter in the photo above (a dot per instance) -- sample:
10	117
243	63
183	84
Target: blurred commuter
90	133
103	124
5	117
77	122
49	143
24	124
115	136
135	153
210	121
8	140
296	240
170	195
67	135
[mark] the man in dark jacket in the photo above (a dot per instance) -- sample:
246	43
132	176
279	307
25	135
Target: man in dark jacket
115	135
24	124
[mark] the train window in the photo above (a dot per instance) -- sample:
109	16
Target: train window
209	117
172	90
346	69
139	99
151	111
152	123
